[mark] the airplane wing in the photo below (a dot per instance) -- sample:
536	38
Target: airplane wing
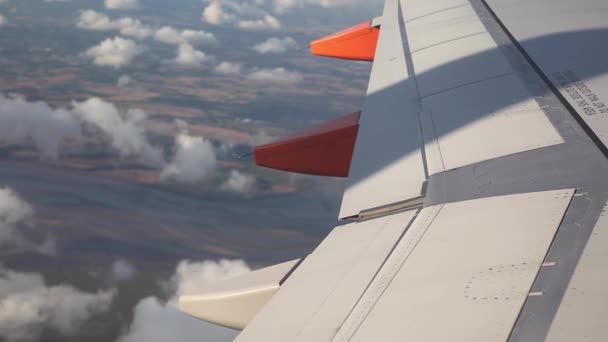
476	198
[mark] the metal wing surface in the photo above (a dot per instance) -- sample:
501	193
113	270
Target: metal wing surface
475	203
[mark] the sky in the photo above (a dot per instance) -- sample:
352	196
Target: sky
100	98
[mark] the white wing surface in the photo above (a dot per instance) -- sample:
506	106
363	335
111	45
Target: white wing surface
475	204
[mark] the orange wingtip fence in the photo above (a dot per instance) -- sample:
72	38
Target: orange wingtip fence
324	150
355	43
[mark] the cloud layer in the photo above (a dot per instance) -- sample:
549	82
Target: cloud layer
121	4
28	306
115	52
124	130
155	320
193	161
275	45
239	182
280	75
191	277
188	56
118	52
35	123
131	27
282	6
23	122
275	75
127	26
170	35
122	270
228	68
244	15
214	14
267	22
13	213
124	81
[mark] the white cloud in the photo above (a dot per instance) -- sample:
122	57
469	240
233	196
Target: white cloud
127	26
228	68
133	28
12	209
13	213
261	138
155	321
214	14
191	277
182	125
92	20
244	9
198	37
276	75
170	35
125	130
276	45
249	8
239	182
124	81
22	122
188	56
122	270
245	15
2	20
115	52
121	4
282	6
193	161
268	22
28	306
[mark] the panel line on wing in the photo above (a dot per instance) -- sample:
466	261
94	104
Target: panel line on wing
431	143
543	96
448	41
467	84
579	119
532	292
388	256
328	283
409	64
581	313
387	165
436	12
473	97
464	275
386	274
576	232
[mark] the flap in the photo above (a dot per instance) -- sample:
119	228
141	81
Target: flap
234	302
